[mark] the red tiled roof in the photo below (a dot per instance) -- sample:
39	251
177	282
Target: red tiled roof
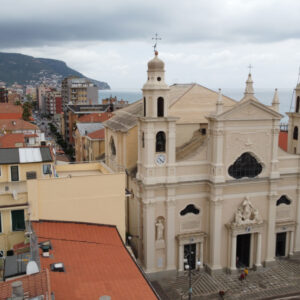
15	124
35	285
12	140
97	135
96	263
283	140
95	117
8	108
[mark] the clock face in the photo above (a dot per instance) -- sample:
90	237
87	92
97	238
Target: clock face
160	159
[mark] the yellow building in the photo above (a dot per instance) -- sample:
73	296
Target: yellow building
89	141
81	193
17	166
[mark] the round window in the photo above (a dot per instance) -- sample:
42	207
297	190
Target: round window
158	79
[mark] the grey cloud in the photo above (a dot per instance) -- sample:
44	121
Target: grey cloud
55	22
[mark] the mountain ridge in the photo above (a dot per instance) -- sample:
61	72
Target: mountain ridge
26	69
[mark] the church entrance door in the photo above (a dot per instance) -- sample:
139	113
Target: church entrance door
190	255
280	243
243	250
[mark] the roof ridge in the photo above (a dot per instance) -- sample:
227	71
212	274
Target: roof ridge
192	85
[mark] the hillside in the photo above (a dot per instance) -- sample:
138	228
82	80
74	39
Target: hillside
25	69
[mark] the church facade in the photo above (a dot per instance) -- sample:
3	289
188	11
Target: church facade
209	186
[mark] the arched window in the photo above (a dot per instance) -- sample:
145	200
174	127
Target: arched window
112	146
144	107
160	107
190	209
245	166
160	142
295	133
297	104
283	200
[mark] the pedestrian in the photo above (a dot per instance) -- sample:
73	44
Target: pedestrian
242	276
246	272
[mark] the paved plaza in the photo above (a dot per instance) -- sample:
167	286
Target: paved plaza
274	282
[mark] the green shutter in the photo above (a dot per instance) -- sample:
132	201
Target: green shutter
18	221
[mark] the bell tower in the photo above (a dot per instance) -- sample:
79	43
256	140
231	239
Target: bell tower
156	145
294	125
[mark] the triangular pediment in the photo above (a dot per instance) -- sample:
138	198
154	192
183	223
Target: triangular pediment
249	110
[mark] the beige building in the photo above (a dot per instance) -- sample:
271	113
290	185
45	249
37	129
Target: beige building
89	193
205	174
17	167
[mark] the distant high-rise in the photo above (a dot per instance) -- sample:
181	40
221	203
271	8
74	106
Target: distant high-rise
76	90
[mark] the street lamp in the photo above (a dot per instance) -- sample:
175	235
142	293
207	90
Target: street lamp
188	262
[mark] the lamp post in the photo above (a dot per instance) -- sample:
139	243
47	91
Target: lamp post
188	261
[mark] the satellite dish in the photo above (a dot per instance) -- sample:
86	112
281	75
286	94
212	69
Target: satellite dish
32	268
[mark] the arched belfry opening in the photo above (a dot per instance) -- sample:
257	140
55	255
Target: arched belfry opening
160	107
160	142
295	133
144	106
112	146
297	103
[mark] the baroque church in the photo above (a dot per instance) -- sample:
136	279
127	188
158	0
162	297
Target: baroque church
205	173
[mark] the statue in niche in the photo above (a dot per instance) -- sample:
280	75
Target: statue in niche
247	214
160	229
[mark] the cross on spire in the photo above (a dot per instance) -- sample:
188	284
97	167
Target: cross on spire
156	38
250	67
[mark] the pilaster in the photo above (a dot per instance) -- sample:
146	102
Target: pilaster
297	233
170	229
215	232
149	235
270	253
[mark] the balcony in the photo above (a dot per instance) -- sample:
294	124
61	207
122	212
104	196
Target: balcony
13	188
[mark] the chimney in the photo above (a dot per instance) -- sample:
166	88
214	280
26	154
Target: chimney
17	290
14	123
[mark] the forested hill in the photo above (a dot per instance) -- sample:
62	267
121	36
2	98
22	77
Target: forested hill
25	69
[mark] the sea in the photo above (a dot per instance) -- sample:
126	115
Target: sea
265	95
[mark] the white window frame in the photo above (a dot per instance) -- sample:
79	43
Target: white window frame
50	169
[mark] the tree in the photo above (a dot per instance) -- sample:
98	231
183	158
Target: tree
26	111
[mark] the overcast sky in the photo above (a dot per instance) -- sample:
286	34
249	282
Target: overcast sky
210	42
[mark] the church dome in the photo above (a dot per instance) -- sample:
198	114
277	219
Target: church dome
156	64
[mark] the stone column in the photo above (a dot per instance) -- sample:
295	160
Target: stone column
215	233
291	250
149	236
270	257
258	251
297	241
180	258
170	229
233	252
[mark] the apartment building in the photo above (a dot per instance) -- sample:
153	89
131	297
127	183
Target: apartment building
76	90
53	102
17	166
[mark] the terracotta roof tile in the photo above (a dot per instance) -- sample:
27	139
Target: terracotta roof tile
16	124
97	135
96	262
8	108
12	140
283	140
95	117
34	285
